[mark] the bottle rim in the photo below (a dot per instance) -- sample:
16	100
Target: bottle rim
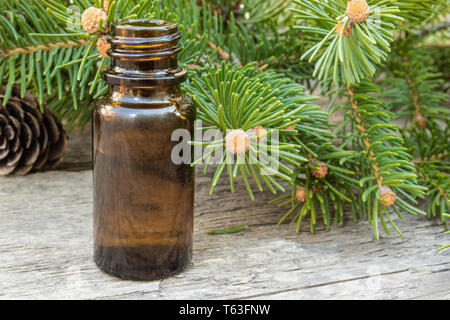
135	41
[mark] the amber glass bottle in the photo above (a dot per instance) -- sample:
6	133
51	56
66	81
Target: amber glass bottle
143	201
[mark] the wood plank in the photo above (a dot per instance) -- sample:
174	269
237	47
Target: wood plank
46	248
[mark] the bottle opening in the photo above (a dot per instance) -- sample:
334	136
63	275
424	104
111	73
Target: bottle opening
144	53
150	30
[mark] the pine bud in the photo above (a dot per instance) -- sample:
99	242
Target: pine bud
358	10
320	170
340	26
300	194
90	20
103	46
259	132
237	141
387	195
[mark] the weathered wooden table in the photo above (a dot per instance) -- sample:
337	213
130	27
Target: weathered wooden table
46	248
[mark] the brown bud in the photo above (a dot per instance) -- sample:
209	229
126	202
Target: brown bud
90	20
300	194
340	26
259	132
237	141
320	169
358	10
387	195
103	46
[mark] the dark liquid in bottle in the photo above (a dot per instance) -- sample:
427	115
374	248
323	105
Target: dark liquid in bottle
143	201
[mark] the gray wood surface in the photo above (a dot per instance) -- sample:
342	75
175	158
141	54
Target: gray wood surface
46	248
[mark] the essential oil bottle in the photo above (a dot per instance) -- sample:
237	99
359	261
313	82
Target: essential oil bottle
143	201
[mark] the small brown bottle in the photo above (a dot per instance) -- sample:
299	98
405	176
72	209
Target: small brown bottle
143	201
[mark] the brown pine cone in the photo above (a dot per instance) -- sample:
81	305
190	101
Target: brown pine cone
29	140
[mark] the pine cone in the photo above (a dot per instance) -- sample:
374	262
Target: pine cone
29	139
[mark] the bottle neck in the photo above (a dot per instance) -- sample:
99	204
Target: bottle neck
144	54
143	97
144	66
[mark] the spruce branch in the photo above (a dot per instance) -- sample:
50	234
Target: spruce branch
386	173
430	148
348	39
414	93
59	53
420	12
236	102
47	51
414	85
42	47
258	11
321	186
363	132
433	182
244	58
347	47
432	158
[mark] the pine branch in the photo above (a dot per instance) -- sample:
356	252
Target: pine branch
258	11
321	186
414	91
269	42
45	50
431	147
245	76
348	39
223	54
235	101
420	12
434	183
58	52
42	47
432	158
357	115
387	176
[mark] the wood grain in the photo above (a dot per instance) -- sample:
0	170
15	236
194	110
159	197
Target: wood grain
46	248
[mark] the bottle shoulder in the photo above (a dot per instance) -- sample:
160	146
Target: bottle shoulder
162	101
176	107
